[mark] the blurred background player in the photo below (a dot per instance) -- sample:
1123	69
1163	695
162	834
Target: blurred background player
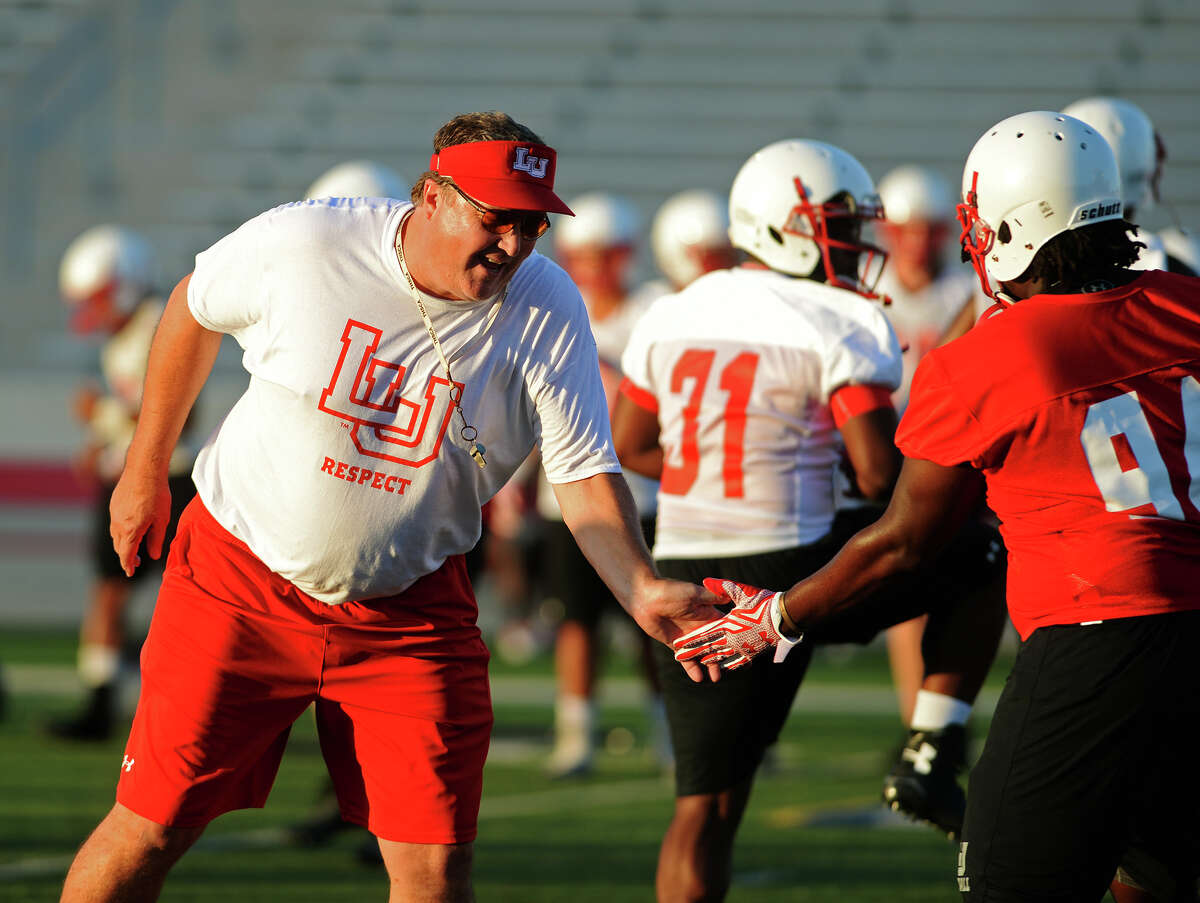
358	179
736	390
597	248
927	293
690	237
1141	153
106	278
1182	245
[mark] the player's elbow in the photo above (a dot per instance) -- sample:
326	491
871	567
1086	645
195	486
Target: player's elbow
891	547
877	480
876	487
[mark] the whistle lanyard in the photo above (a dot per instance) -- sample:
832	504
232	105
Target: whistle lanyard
469	434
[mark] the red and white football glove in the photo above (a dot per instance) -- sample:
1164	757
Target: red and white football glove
750	628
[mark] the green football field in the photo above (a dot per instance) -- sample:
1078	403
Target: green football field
814	830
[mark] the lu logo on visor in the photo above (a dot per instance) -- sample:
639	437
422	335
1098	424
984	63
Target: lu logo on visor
525	162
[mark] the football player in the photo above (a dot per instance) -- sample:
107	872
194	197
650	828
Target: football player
106	278
690	236
736	389
358	179
1182	245
927	292
1077	405
1140	153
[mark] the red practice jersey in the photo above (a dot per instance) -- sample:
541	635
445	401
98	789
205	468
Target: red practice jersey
1083	413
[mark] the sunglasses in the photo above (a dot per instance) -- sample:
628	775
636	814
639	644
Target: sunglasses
500	222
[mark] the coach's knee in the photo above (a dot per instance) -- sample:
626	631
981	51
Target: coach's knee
161	845
428	871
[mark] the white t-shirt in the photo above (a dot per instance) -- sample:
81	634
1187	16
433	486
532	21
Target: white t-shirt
342	466
922	317
742	364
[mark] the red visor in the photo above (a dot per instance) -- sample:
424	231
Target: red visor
511	175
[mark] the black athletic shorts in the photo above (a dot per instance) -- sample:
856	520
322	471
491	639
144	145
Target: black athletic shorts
1090	762
720	731
104	557
569	577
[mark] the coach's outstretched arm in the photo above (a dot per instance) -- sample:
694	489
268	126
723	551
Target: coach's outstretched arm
181	358
601	515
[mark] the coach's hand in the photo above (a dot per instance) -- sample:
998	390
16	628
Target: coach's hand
667	609
140	508
750	628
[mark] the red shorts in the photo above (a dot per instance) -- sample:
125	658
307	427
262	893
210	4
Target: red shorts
235	654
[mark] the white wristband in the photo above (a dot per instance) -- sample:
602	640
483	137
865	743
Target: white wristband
785	643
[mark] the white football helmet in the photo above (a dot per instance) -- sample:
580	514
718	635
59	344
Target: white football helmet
786	196
1130	134
1027	179
601	220
107	267
685	226
359	179
916	193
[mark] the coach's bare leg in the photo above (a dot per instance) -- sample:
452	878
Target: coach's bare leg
126	859
428	872
695	863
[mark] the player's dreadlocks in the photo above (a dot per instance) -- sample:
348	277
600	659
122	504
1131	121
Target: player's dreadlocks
1076	257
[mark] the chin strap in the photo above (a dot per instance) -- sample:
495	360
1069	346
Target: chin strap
1004	299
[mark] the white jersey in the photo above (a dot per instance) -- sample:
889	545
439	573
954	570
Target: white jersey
123	362
612	335
343	467
922	317
742	365
1153	256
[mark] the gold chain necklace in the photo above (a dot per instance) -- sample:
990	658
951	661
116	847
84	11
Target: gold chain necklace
469	434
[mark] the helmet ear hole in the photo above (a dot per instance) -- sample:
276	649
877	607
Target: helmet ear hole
1004	234
775	235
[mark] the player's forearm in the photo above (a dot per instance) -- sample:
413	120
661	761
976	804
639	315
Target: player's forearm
863	564
635	438
648	463
181	359
601	515
928	506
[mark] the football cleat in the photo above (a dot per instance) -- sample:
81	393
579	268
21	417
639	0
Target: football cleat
93	723
923	783
570	759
